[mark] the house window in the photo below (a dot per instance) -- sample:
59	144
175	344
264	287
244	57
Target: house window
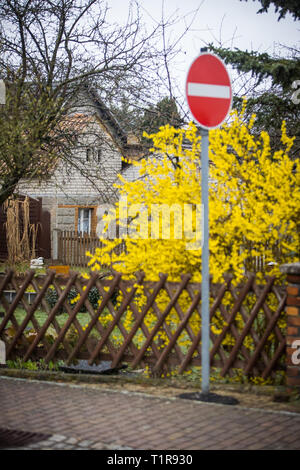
89	154
84	224
93	154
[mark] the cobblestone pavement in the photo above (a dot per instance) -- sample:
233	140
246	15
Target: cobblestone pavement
78	417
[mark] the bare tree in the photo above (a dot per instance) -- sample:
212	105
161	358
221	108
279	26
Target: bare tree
49	50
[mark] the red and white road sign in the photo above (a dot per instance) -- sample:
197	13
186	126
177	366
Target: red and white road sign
208	90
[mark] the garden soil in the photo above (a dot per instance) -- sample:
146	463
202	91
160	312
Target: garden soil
245	399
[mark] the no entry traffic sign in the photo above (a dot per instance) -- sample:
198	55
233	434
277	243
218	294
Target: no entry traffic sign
209	96
208	90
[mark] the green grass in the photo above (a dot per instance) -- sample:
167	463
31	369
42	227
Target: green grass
42	316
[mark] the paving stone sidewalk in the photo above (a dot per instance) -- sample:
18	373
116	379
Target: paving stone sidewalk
78	417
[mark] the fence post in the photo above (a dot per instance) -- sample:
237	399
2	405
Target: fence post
55	253
293	326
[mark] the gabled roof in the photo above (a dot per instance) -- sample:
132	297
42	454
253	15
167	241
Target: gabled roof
128	147
107	119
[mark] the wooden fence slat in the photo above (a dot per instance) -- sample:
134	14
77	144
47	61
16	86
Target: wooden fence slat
30	312
177	333
232	316
233	329
12	319
73	313
274	360
166	327
268	312
76	260
185	280
16	300
51	317
94	319
138	321
247	327
71	319
235	334
252	332
196	342
59	245
137	314
71	249
265	337
114	323
64	246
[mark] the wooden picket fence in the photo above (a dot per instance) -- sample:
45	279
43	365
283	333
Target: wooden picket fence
165	322
73	246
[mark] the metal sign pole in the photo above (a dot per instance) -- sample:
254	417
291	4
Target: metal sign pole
205	320
207	77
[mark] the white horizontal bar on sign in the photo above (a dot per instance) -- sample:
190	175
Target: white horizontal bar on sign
206	90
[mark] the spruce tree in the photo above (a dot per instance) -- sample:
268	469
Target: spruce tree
274	77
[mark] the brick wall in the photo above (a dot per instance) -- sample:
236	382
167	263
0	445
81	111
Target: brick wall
292	272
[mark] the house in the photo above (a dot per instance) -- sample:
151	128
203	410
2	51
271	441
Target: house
81	188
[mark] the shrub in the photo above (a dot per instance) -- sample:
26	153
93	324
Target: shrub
93	297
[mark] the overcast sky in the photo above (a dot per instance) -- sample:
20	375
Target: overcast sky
227	18
234	23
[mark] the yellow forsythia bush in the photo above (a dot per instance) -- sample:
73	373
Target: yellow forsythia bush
254	211
254	204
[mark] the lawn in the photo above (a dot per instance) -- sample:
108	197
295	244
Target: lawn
41	316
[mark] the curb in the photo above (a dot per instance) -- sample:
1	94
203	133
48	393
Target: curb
56	376
158	397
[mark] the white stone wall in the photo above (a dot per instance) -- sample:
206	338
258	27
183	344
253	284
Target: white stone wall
89	182
131	173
